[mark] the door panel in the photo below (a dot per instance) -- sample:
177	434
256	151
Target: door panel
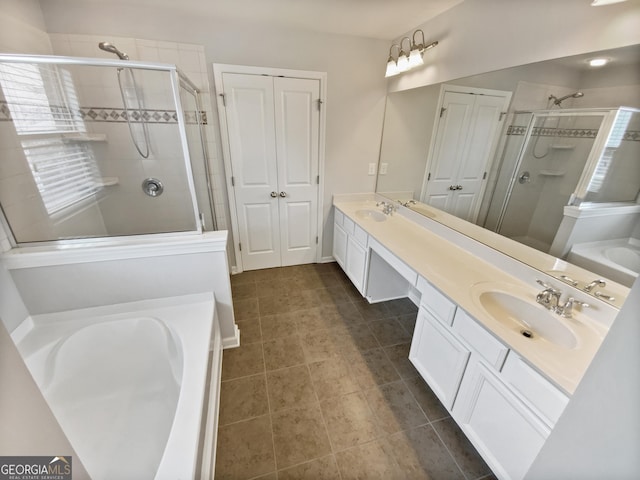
465	140
251	127
297	121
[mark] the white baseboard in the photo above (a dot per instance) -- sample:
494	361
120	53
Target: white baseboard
327	259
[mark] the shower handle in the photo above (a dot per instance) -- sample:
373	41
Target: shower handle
152	187
524	178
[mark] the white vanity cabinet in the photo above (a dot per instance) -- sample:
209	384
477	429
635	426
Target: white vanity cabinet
505	407
435	351
438	356
503	429
350	249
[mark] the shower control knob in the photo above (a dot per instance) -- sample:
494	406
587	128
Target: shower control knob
152	187
273	194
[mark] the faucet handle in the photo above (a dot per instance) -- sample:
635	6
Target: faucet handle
596	283
567	309
546	285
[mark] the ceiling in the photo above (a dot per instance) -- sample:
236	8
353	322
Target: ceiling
380	19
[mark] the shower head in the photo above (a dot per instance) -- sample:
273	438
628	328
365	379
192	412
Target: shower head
558	101
109	47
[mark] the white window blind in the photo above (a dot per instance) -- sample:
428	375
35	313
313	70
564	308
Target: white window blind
43	104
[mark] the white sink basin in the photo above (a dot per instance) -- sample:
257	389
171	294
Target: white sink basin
369	214
526	317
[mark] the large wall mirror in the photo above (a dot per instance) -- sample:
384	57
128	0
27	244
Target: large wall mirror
546	154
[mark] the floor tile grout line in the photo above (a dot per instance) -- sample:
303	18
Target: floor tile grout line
266	386
447	448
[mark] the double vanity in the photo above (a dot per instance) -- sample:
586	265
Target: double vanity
501	344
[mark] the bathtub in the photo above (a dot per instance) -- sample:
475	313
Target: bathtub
618	260
126	382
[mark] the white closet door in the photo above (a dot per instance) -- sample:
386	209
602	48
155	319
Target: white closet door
252	146
451	137
465	139
481	140
297	120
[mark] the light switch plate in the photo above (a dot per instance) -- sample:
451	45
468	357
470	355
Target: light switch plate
383	168
372	169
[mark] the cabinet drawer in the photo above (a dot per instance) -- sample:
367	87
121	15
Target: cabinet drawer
479	339
434	301
397	264
537	391
348	225
361	236
338	217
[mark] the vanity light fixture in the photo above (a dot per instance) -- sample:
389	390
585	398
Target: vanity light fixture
599	3
407	60
598	62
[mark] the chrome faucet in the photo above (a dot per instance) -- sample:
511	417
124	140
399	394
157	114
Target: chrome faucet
596	283
550	299
387	208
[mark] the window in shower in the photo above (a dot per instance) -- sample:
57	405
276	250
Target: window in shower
43	103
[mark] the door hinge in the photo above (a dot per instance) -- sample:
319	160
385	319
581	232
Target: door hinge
502	114
316	239
442	110
320	102
239	246
233	181
484	177
224	99
428	176
318	180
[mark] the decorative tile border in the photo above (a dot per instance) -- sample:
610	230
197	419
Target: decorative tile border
105	114
629	135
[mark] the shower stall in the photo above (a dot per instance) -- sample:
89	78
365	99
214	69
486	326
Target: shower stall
560	163
100	148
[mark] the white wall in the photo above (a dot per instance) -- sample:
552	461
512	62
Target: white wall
598	434
484	35
22	28
354	66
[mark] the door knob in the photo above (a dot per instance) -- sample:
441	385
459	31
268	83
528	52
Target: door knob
458	187
283	194
452	187
273	194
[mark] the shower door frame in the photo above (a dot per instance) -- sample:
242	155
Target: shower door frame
608	116
176	76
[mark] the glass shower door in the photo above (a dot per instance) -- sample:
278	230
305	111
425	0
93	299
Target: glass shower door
80	142
550	166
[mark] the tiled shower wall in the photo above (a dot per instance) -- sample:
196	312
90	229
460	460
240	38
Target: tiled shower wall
18	36
190	59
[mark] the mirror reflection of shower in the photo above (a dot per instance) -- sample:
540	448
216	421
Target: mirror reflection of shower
129	94
553	101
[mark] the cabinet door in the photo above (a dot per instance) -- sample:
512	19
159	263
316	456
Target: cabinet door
340	245
356	263
438	356
505	432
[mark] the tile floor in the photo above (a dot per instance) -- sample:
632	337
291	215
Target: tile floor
321	387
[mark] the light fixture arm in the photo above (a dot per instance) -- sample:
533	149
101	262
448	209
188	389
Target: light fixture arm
415	45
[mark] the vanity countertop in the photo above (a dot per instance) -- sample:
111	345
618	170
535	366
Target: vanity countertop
458	274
